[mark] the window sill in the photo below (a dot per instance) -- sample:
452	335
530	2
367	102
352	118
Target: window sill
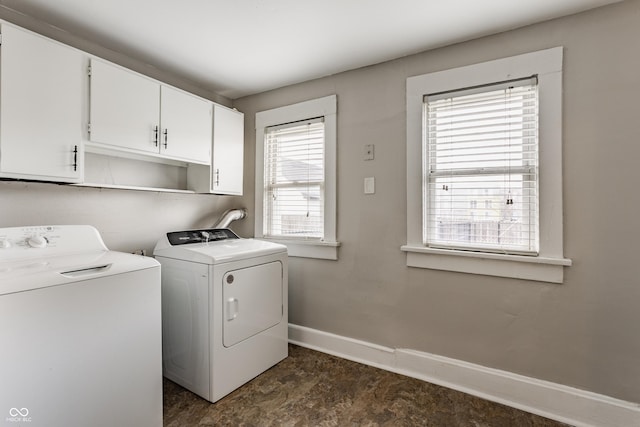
542	269
309	248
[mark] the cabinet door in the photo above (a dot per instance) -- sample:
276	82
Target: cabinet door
228	151
124	108
186	126
40	107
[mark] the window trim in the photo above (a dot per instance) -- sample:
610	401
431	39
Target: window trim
548	266
326	248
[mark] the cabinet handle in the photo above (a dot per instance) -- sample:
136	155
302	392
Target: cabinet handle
155	136
75	158
166	136
217	177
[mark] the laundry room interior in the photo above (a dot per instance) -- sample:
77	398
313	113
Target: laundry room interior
548	335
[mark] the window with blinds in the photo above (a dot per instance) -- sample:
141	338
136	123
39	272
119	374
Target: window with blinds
480	180
294	180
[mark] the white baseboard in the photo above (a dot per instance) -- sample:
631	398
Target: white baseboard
556	401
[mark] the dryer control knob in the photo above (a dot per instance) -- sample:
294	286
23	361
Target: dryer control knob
37	242
4	244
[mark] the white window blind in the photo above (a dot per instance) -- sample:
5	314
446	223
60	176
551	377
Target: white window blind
294	180
480	181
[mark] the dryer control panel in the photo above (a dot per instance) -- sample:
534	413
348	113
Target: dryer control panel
200	236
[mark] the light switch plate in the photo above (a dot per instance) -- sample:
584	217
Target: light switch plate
369	185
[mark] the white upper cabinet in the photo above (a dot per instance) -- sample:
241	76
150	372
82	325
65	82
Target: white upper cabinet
186	125
124	108
228	151
41	102
133	113
109	127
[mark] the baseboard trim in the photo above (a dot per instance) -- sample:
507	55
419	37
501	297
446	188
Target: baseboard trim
566	404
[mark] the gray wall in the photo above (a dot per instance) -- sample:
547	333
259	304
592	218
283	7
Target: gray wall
582	333
127	219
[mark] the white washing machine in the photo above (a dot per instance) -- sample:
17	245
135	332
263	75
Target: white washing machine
80	331
224	309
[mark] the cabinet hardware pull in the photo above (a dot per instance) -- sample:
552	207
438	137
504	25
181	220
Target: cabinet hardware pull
166	136
75	158
155	136
217	177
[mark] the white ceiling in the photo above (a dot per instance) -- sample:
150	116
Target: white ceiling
241	47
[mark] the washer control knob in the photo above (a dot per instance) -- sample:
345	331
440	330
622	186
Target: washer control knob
4	244
37	241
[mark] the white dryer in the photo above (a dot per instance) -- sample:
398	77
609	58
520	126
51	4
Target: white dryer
224	309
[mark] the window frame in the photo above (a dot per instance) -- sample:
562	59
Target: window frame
548	265
326	247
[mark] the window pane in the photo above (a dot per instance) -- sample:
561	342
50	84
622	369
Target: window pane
294	180
480	181
296	211
491	211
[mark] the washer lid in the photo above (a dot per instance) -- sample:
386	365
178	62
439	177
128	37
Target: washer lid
33	273
215	252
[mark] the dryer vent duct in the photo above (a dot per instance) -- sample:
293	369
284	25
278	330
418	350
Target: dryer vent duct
229	216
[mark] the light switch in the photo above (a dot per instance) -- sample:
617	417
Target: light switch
369	185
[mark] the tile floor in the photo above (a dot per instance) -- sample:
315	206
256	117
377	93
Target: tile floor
310	388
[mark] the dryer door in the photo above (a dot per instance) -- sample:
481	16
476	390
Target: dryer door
252	301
